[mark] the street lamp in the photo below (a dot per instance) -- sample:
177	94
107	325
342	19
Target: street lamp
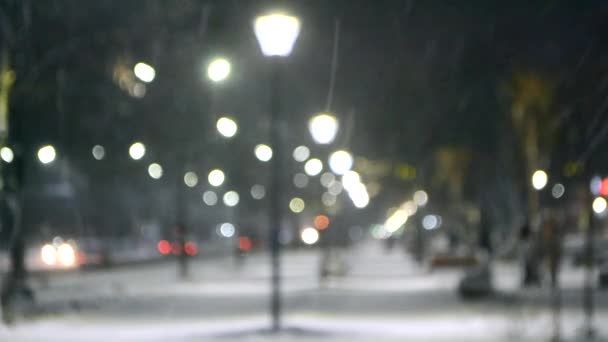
276	33
323	128
137	151
144	72
218	70
539	179
7	154
46	154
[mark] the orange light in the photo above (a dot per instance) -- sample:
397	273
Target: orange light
321	222
604	187
245	244
164	247
190	248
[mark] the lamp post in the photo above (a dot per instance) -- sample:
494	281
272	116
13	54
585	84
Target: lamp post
276	33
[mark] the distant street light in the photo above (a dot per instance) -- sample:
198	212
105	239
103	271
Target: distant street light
99	152
313	167
216	177
309	235
227	127
263	152
231	198
155	170
340	162
46	154
144	72
599	205
137	151
539	179
7	154
323	128
218	70
276	33
301	153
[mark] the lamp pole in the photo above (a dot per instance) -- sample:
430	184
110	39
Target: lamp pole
276	33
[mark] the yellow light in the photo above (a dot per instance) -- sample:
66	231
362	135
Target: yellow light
218	70
7	154
410	208
155	170
323	128
395	221
144	72
599	205
137	151
297	205
539	179
47	154
263	152
48	254
277	33
313	167
227	127
66	255
216	177
309	236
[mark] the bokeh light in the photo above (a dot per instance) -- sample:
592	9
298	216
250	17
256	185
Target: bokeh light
47	154
48	254
144	72
301	153
539	179
321	222
263	152
216	177
323	128
7	155
421	198
258	191
227	230
599	205
155	170
340	162
327	178
231	198
558	190
218	70
313	167
328	199
137	151
191	179
227	127
300	180
297	205
309	236
99	152
276	33
210	198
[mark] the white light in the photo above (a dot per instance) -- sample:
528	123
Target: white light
231	198
277	33
46	154
328	199
421	198
7	154
300	180
410	208
297	205
144	72
263	152
191	179
539	179
155	170
210	198
227	230
430	222
327	178
66	255
216	177
558	190
350	179
335	188
340	162
218	70
99	152
313	167
48	254
359	195
396	221
301	153
258	191
599	205
309	236
323	128
227	127
137	151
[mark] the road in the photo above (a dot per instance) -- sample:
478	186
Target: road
384	296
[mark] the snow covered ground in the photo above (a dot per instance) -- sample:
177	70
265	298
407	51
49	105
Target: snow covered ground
384	297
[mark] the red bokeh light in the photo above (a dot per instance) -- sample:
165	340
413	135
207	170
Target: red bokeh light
164	247
321	222
177	248
245	244
191	248
604	187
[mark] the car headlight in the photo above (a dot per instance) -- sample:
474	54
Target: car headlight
48	254
66	255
